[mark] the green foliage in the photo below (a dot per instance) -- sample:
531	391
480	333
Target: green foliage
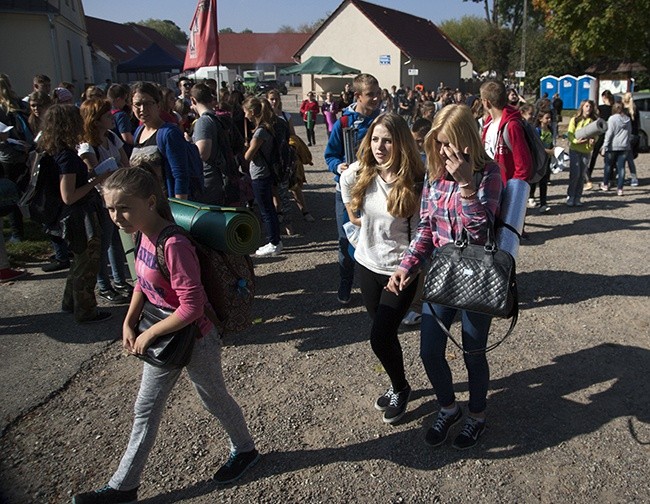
469	33
613	29
246	30
227	29
497	44
167	29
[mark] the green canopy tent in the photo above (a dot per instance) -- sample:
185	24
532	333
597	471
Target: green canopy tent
320	65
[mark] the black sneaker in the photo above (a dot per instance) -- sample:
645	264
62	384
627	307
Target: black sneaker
344	292
124	289
113	296
383	401
468	437
100	317
397	405
55	265
437	434
236	466
107	495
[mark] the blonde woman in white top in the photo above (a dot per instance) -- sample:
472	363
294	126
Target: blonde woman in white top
382	195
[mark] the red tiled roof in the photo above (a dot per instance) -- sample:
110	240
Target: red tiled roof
414	36
123	42
250	48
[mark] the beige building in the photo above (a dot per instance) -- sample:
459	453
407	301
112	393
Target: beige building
47	37
396	47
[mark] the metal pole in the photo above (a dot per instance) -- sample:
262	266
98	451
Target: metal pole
524	28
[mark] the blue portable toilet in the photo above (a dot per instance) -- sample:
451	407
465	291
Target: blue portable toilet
569	92
587	86
550	85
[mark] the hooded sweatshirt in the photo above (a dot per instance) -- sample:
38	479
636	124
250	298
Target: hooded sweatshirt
617	136
335	151
515	163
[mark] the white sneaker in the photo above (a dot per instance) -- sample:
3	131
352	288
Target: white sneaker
531	203
269	250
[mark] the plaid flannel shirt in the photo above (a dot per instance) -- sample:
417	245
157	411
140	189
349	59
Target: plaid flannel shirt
443	213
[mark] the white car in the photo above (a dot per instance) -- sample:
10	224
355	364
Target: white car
642	102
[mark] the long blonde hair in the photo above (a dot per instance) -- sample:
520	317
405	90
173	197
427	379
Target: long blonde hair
459	125
9	100
262	112
628	103
404	197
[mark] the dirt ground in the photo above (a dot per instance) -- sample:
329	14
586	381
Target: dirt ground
568	408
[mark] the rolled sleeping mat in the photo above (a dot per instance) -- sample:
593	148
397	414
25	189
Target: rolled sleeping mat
128	244
229	229
513	213
592	130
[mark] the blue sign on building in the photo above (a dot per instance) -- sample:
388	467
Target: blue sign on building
384	59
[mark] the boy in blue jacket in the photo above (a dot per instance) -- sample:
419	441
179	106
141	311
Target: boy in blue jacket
358	116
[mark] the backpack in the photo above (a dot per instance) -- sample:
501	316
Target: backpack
228	280
538	154
283	156
225	160
43	195
194	161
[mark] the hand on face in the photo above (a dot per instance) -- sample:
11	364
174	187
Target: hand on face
456	162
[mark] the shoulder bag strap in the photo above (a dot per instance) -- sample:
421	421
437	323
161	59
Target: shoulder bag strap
513	323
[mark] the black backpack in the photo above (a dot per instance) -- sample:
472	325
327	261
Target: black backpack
43	195
283	156
538	154
225	159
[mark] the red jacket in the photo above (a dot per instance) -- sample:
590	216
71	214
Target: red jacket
516	163
307	105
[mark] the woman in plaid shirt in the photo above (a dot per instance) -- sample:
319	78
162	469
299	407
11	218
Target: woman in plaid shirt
455	197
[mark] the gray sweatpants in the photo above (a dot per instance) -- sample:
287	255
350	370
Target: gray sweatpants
205	372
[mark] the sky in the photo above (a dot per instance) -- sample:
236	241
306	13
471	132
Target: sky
266	16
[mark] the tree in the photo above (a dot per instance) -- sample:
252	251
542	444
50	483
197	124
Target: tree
468	32
246	30
227	29
167	29
286	29
613	29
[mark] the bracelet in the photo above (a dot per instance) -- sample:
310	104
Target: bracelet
469	196
466	184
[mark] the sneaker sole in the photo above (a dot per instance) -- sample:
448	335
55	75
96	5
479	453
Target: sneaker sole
399	417
460	417
251	464
380	408
462	448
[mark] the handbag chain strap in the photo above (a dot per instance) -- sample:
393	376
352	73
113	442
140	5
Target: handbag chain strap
513	323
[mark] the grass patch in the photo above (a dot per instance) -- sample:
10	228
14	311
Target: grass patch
34	247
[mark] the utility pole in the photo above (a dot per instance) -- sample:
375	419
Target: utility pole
522	66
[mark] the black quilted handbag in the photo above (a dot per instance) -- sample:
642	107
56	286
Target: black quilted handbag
173	350
476	278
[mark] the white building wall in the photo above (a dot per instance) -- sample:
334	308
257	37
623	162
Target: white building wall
352	40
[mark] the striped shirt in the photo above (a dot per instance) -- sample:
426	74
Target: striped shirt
443	214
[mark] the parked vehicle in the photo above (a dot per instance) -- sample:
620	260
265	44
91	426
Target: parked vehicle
642	102
265	86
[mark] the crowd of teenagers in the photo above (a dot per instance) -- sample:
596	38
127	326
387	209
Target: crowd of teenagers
413	171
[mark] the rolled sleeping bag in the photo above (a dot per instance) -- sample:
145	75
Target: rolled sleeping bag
129	251
513	213
229	229
592	130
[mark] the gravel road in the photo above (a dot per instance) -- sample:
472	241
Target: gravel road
568	409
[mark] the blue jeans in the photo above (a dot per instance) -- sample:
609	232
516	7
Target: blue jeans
617	158
346	261
112	252
578	164
263	191
433	343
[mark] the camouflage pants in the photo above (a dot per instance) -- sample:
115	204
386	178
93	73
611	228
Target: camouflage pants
79	293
